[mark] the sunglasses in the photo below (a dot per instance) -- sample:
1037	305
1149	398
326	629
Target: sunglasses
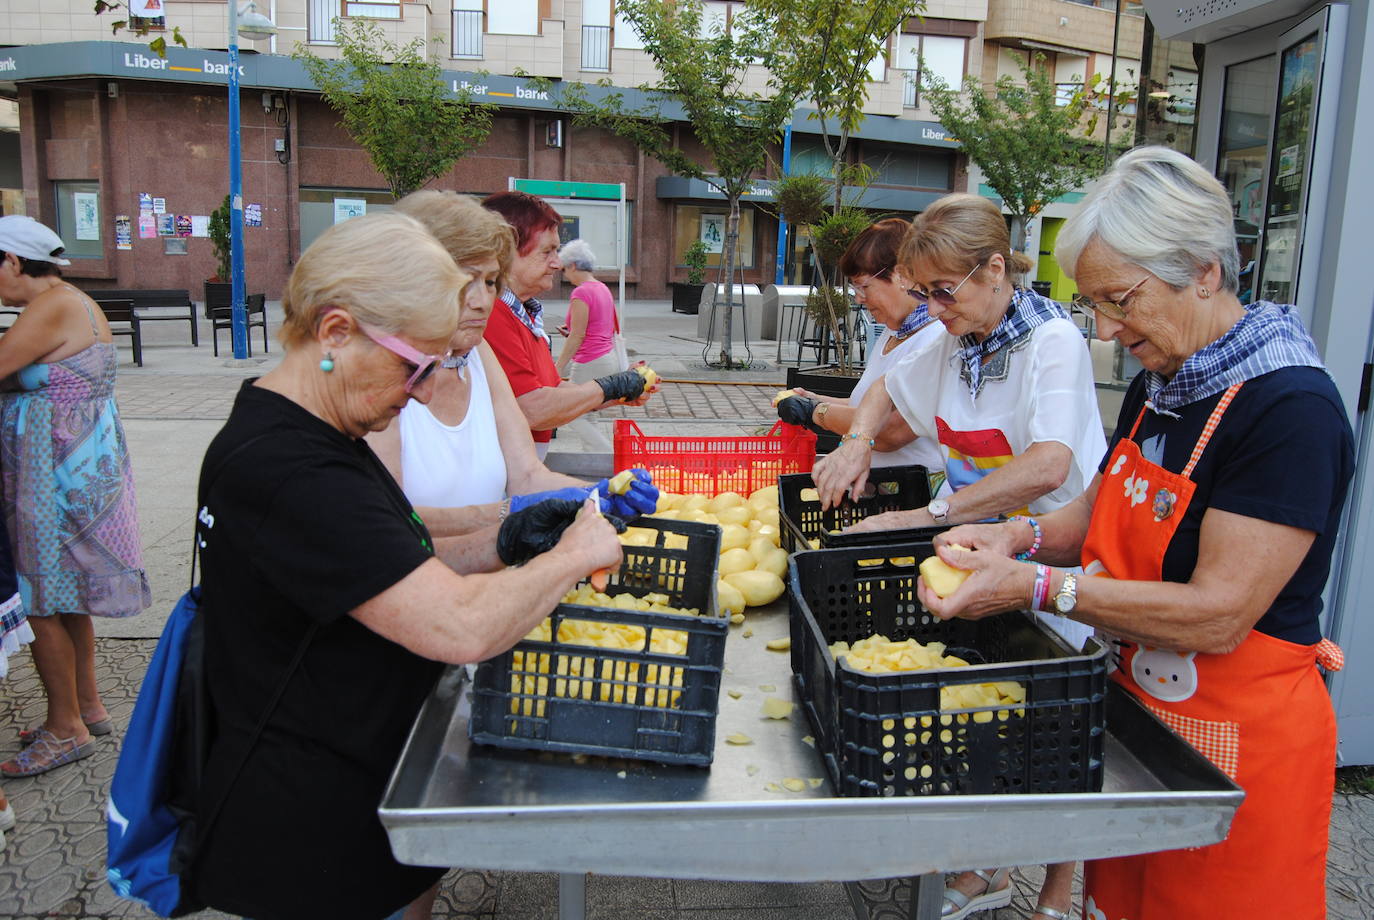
424	364
1112	309
943	296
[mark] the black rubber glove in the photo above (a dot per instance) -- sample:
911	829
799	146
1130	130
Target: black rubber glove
799	410
624	385
538	528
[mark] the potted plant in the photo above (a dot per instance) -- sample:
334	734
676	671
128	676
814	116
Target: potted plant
218	288
687	296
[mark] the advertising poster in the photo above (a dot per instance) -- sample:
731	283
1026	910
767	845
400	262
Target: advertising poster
166	225
200	225
252	215
344	208
713	232
147	225
159	205
145	201
87	205
183	224
124	238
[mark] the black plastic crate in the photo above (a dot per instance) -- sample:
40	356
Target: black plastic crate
642	704
886	734
890	488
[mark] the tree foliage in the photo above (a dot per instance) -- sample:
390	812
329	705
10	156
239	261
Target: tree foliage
704	72
1030	147
830	65
395	103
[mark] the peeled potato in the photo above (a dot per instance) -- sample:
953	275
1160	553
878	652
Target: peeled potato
735	561
775	562
810	495
729	600
667	501
758	588
941	577
724	500
733	536
760	548
768	495
740	514
668	515
693	503
771	532
781	395
767	516
619	484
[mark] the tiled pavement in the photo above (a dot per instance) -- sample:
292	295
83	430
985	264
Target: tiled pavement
54	864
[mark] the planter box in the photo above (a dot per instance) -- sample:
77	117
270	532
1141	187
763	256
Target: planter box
824	380
686	297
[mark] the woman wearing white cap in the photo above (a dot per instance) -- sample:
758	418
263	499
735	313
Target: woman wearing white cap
67	487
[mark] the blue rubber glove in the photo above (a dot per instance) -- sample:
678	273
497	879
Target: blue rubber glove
641	498
568	493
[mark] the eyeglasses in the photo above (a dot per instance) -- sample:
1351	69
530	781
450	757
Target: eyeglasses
1112	309
424	364
944	296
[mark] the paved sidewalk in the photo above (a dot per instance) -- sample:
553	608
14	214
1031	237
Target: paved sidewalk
172	407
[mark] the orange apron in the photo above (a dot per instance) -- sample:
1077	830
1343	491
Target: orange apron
1260	713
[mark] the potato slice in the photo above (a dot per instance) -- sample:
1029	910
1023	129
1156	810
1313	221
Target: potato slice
758	588
779	645
738	738
775	708
781	395
729	600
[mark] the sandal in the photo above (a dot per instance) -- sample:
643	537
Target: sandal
1050	912
957	905
98	727
47	752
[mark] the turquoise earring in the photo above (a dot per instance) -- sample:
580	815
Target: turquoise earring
327	362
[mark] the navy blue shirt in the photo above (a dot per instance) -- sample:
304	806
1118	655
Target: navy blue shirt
1283	452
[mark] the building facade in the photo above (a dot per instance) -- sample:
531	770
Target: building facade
115	143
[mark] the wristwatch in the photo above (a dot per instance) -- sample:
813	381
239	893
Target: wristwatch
938	510
818	413
1067	598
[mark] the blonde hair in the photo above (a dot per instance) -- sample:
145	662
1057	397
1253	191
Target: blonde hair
469	232
959	232
1160	210
385	269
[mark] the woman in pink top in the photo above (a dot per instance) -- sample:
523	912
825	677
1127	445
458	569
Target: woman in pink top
588	352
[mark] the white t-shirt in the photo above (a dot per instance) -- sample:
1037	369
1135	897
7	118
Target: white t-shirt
449	466
923	451
1040	388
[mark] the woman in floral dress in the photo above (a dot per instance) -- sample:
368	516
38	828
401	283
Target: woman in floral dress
67	487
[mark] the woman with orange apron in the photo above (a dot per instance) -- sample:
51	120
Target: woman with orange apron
1205	540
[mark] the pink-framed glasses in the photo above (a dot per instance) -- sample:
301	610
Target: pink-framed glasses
424	364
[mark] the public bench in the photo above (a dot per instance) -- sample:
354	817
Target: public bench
220	313
123	320
173	305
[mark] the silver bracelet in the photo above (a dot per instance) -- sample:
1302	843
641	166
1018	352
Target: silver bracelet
504	512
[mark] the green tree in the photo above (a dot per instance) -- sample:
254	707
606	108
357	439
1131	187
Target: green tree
841	38
395	103
1029	146
702	72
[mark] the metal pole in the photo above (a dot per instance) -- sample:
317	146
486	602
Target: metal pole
238	315
782	224
620	252
1111	86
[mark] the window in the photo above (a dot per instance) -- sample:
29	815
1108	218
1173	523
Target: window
1012	63
1069	73
626	35
809	157
79	219
513	17
322	208
692	223
147	14
877	68
920	167
373	9
942	55
467	29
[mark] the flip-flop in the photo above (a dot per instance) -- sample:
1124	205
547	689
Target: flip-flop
47	752
98	727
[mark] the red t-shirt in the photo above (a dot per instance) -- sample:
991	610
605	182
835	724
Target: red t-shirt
523	356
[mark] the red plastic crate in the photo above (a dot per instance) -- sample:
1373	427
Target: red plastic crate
711	465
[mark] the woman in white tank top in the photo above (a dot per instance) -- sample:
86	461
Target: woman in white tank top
459	457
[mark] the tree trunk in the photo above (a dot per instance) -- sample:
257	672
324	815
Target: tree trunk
731	241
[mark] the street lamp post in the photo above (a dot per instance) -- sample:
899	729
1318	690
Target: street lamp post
253	25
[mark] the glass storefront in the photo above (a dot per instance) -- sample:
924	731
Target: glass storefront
1245	133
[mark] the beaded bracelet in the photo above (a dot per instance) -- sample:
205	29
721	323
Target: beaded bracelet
1035	543
1040	596
857	437
504	512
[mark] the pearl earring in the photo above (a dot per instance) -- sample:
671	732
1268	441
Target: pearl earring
327	362
1204	293
997	289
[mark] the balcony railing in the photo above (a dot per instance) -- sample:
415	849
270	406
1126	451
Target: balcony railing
322	14
909	79
596	47
467	33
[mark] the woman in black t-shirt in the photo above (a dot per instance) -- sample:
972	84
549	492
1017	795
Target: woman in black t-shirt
1209	530
307	542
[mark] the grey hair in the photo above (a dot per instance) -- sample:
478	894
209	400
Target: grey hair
578	253
1161	211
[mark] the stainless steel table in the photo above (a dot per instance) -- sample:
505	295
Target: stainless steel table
451	803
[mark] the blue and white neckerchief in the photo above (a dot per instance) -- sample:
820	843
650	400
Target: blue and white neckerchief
1027	310
914	320
457	363
1267	338
530	313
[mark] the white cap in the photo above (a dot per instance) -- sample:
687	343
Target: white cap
28	239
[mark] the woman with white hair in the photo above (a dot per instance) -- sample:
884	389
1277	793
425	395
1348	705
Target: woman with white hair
1205	539
590	327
